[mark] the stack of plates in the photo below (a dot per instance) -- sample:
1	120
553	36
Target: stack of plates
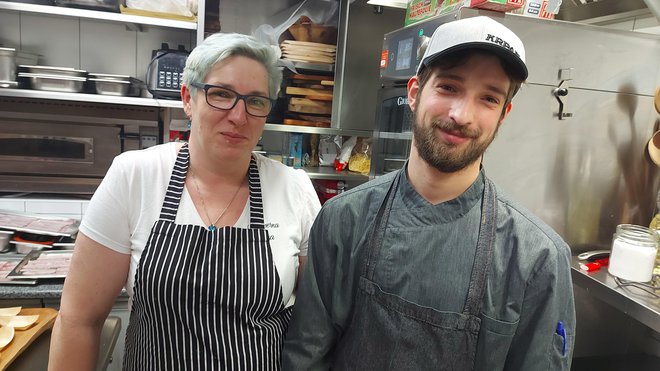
308	52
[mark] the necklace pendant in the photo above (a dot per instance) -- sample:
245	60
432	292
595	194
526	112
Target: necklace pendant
212	228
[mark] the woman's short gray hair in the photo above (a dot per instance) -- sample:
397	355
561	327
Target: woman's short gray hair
221	46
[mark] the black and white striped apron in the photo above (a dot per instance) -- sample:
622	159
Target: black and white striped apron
203	299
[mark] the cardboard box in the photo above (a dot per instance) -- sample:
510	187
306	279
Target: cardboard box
536	9
419	10
497	5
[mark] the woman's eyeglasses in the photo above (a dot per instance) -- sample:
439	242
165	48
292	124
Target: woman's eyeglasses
225	99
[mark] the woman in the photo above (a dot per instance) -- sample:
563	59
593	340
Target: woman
210	266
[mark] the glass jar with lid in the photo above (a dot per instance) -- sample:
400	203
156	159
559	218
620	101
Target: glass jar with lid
634	249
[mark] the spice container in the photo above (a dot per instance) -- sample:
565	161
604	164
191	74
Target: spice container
633	253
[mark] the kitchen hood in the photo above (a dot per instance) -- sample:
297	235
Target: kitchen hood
606	11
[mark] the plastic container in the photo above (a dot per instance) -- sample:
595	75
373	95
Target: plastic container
633	253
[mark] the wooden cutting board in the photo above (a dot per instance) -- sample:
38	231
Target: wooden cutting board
310	109
310	103
306	123
309	44
297	76
309	92
307	59
23	338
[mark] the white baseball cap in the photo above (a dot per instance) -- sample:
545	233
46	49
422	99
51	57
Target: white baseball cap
476	33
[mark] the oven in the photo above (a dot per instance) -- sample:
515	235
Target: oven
67	148
402	51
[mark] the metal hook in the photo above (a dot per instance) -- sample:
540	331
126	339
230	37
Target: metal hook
561	92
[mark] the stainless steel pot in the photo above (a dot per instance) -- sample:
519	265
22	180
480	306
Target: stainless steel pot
7	65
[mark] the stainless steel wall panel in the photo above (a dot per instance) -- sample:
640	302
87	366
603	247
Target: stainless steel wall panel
357	70
583	175
602	58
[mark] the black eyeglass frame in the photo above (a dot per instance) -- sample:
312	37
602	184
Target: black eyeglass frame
242	97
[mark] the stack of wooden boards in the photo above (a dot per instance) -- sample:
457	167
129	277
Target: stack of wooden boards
308	52
310	100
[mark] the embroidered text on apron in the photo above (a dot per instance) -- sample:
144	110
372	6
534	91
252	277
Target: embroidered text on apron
389	333
206	299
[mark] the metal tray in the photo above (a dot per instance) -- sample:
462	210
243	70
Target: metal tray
102	5
8	84
54	71
57	268
111	87
67	84
115	87
107	76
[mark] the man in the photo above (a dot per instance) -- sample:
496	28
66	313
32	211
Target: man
431	267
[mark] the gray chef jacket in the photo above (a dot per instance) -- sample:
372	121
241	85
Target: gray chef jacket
426	259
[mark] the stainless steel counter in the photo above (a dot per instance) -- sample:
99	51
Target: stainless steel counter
635	302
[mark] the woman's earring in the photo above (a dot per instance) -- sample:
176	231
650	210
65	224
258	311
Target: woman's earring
189	123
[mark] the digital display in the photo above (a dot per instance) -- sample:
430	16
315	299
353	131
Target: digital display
404	54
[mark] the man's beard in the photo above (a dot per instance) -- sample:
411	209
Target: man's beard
445	156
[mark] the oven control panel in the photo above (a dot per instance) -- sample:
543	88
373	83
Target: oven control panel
404	48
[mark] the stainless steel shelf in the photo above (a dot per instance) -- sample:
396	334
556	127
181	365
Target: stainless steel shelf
388	135
329	173
94	14
315	130
635	302
94	98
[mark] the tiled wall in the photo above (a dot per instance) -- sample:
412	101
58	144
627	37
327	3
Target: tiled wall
58	208
88	44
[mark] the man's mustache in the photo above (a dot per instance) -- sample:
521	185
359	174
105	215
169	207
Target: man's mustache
452	127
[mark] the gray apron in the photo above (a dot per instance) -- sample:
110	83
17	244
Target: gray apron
206	300
388	332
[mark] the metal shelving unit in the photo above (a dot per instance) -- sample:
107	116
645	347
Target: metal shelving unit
324	172
167	106
90	98
316	130
95	14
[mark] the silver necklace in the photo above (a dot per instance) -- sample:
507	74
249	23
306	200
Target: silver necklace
212	226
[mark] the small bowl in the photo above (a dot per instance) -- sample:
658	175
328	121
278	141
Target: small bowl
27	247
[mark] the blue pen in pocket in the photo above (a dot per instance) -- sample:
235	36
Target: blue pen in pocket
562	332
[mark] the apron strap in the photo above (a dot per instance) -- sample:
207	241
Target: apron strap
484	253
178	180
175	186
256	201
375	240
